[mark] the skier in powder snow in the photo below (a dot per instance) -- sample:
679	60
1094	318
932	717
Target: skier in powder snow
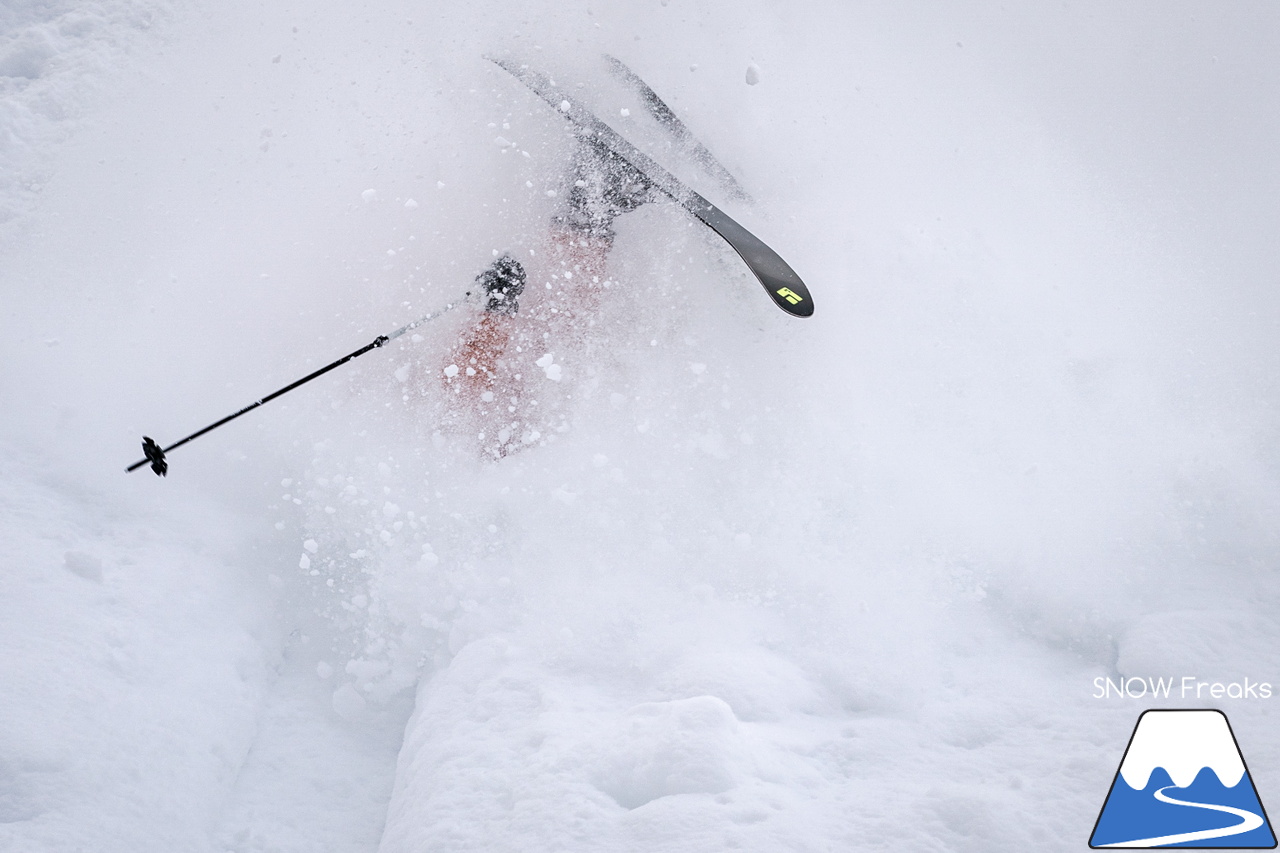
485	368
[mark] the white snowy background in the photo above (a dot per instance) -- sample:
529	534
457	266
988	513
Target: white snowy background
769	584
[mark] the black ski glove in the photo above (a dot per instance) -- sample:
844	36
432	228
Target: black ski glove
503	281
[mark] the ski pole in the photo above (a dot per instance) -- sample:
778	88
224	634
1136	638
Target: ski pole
155	454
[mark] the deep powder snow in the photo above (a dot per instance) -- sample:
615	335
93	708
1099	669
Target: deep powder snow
753	582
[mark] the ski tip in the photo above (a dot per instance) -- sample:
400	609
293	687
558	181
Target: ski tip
794	299
506	63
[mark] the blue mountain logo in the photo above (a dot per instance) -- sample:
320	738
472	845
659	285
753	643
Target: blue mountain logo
1182	783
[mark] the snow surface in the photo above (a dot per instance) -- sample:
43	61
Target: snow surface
758	583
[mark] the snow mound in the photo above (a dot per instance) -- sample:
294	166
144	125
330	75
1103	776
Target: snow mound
660	749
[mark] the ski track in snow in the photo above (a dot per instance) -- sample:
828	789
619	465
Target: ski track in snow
753	583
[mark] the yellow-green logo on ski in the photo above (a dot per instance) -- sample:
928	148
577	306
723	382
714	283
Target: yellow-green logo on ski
790	295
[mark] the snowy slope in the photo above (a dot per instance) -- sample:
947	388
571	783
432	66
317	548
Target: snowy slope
765	584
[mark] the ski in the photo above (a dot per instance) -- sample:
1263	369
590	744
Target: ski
668	120
777	277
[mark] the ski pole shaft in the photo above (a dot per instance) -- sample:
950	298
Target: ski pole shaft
377	342
155	454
